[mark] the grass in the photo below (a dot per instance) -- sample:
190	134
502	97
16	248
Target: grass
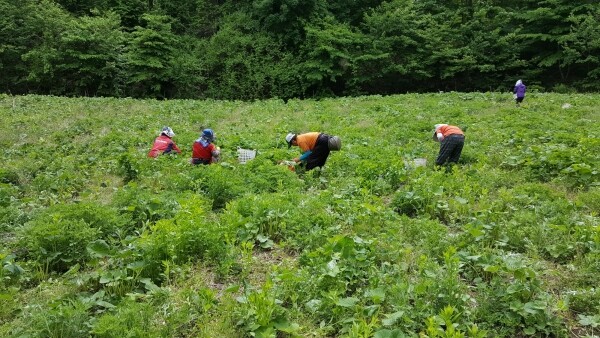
507	241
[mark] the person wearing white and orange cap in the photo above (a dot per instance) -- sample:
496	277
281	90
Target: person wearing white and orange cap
164	144
314	146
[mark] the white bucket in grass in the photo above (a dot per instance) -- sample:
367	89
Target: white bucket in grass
420	162
416	162
245	155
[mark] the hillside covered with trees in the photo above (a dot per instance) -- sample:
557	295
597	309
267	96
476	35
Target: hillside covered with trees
228	49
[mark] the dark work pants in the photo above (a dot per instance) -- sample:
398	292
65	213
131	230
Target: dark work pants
450	149
319	154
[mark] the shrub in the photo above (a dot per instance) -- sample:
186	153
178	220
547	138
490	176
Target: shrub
9	177
262	175
190	236
300	223
58	236
10	214
129	319
141	206
219	183
343	264
60	319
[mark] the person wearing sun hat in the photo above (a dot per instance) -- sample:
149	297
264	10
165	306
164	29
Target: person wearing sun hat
314	146
452	140
203	149
164	144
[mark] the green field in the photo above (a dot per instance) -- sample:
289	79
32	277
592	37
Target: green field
99	240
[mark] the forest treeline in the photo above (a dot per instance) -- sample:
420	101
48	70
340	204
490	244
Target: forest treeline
231	49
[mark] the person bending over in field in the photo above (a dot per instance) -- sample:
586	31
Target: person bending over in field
315	147
451	140
164	144
203	150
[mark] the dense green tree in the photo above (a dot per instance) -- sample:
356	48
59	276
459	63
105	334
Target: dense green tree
545	25
493	45
291	48
130	11
241	63
581	48
183	12
48	22
351	12
399	55
331	53
16	37
83	7
209	14
91	51
149	57
286	19
76	56
187	68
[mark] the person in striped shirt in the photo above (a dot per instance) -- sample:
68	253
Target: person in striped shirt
452	140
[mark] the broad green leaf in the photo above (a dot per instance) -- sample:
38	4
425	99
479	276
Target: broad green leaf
392	318
99	248
347	302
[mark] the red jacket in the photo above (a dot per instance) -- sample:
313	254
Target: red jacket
203	153
162	144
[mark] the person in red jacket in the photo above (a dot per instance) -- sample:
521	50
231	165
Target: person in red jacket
452	140
164	144
314	146
203	150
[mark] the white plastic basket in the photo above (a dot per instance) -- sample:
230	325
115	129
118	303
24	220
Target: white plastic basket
420	162
416	162
245	155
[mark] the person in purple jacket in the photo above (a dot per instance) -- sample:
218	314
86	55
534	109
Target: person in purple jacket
519	92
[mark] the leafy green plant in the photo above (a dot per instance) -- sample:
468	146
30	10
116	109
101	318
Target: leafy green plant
130	319
57	241
9	177
10	215
10	271
261	314
143	207
217	183
446	324
68	318
343	264
524	306
129	168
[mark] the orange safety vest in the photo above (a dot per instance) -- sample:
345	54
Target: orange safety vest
448	130
307	141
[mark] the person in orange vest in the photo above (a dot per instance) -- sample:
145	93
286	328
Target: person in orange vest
164	144
203	150
314	146
452	140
